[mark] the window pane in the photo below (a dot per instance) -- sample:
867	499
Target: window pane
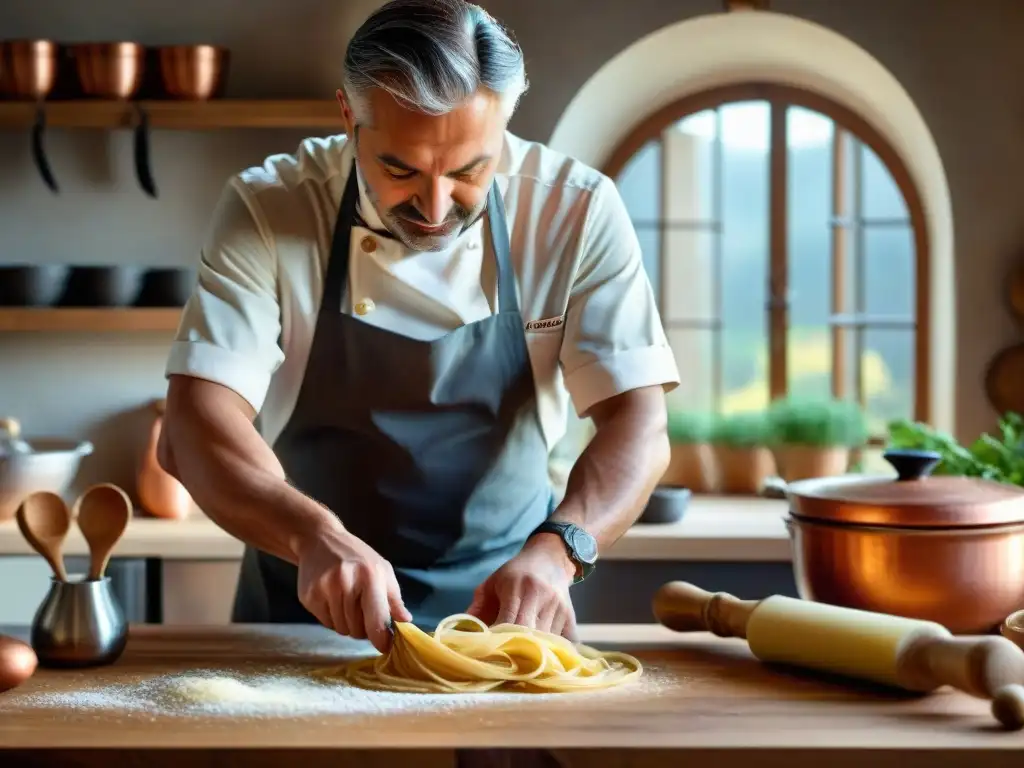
639	183
694	353
699	199
744	370
889	271
745	254
690	276
689	157
809	210
882	199
650	248
887	374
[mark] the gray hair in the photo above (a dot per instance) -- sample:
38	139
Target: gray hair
431	56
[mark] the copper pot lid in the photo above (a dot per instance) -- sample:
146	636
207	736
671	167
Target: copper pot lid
913	499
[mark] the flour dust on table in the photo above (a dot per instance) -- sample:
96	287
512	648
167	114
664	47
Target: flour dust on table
287	693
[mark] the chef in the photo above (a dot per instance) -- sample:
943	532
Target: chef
388	329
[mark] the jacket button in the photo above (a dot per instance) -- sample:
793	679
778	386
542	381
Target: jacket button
365	307
369	245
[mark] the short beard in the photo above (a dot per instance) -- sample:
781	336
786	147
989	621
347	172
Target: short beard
460	219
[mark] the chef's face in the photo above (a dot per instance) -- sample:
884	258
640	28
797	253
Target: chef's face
427	176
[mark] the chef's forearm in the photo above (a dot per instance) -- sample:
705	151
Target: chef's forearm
210	444
617	471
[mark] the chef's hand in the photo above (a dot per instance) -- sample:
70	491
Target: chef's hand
349	587
531	589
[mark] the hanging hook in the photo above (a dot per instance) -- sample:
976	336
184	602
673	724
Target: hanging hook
39	149
143	171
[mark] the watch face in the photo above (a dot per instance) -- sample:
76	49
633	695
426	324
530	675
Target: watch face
585	545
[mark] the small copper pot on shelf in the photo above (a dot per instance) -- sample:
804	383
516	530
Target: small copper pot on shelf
945	549
109	70
192	72
28	69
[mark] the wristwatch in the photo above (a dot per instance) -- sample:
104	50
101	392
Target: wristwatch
582	547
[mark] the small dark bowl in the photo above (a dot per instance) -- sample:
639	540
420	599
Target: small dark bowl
31	285
166	287
666	505
102	286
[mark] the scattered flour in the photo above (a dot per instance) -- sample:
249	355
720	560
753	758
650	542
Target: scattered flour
287	693
258	690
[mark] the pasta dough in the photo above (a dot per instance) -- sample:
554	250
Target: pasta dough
463	655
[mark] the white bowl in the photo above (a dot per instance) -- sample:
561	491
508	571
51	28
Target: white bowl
51	466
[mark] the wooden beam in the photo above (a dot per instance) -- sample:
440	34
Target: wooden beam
176	115
90	319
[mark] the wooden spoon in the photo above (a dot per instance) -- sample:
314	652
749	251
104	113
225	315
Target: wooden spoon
44	520
102	513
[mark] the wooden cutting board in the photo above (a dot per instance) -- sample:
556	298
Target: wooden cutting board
700	697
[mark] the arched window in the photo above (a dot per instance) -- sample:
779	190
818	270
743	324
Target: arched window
788	249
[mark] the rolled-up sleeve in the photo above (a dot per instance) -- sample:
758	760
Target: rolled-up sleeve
231	325
613	340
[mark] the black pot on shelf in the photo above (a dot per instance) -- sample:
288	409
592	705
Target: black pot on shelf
667	505
31	285
106	286
166	287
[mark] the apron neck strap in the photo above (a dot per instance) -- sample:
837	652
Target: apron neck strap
508	301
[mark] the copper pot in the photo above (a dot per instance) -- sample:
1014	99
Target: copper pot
109	70
28	69
194	72
944	549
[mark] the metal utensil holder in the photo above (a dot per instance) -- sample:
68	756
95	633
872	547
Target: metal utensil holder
80	623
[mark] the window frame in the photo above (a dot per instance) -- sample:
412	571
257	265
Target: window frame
780	97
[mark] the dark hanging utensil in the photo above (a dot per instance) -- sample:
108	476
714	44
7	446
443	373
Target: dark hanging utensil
39	149
29	70
143	171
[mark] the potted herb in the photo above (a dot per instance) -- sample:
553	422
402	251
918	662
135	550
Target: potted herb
742	456
815	438
691	464
995	457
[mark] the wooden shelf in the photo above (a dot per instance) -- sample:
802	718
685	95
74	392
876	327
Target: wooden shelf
177	115
95	320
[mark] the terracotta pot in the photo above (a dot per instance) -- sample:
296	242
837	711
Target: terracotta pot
691	465
802	462
945	549
743	470
160	494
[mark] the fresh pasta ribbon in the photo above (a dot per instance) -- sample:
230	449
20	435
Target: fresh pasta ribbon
464	655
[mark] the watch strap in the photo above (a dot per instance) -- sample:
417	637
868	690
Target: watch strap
564	531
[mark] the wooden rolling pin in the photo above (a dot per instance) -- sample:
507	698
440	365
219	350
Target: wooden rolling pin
905	653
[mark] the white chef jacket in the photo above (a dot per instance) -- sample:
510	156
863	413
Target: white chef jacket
590	319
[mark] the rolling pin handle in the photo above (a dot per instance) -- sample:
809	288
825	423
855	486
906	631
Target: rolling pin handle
988	668
684	607
1008	707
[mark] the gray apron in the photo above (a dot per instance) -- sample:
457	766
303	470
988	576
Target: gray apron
429	451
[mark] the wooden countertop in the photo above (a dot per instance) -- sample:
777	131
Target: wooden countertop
714	528
700	697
